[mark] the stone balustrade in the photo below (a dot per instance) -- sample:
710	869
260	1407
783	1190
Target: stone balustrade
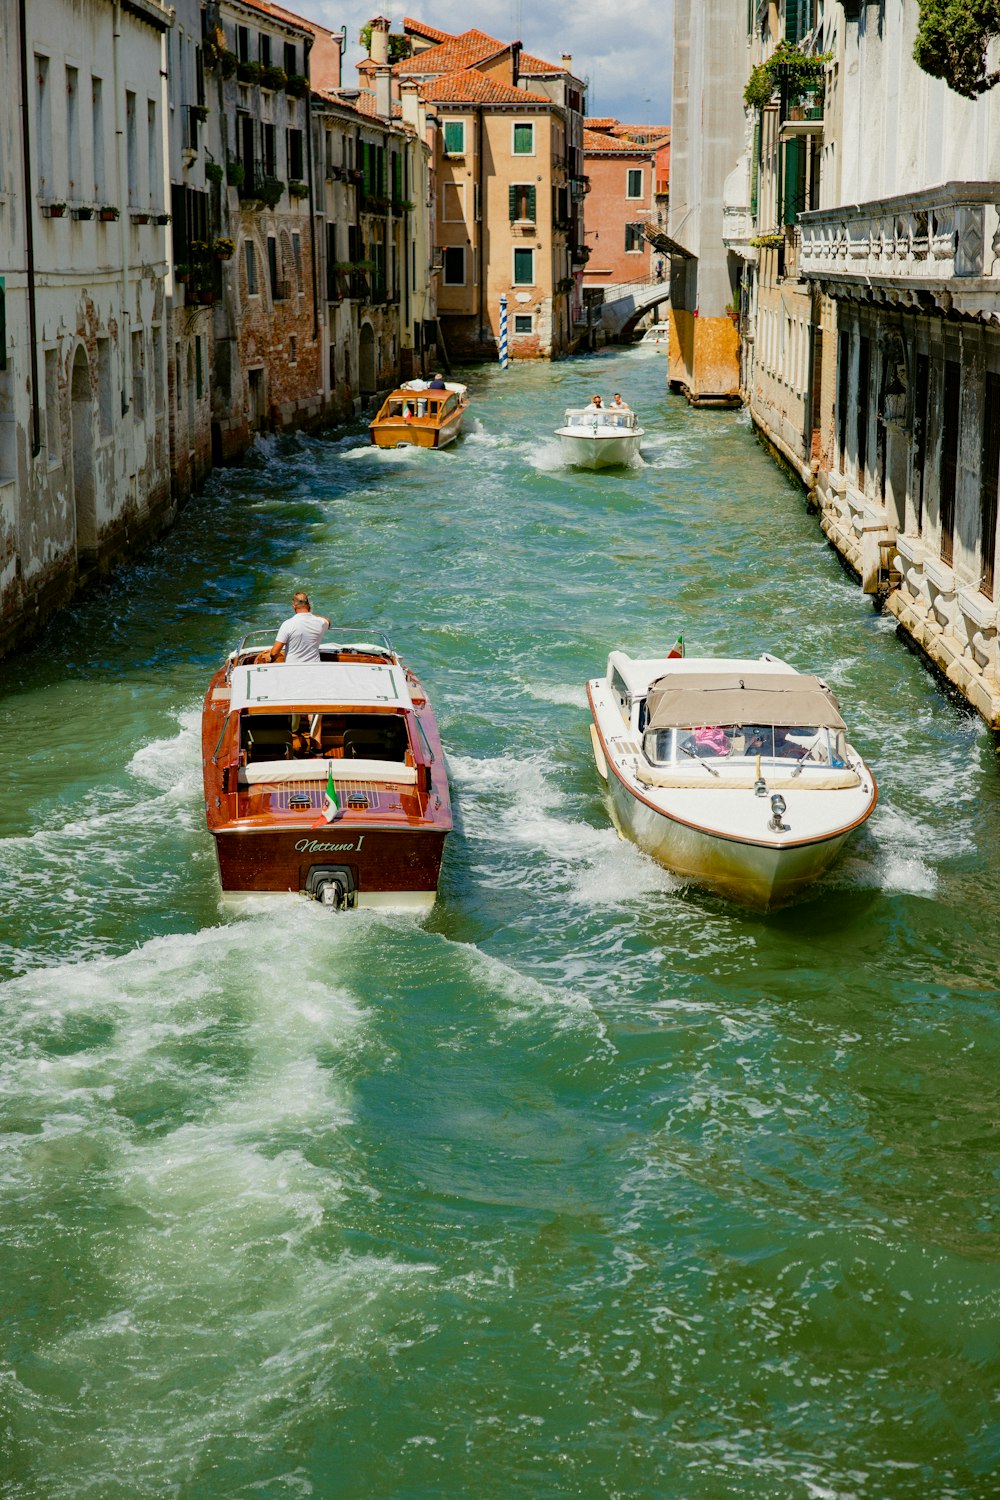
949	234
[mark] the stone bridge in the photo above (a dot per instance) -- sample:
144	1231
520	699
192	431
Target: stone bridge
626	301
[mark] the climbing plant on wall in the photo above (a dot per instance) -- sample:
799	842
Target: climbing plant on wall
952	41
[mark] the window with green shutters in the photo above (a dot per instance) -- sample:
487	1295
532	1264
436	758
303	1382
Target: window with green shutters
755	168
454	137
524	267
397	176
367	164
798	19
793	184
522	201
524	140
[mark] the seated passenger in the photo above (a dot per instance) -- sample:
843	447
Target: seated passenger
596	405
618	404
711	740
437	384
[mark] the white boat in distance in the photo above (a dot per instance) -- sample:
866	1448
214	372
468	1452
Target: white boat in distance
600	439
656	337
734	772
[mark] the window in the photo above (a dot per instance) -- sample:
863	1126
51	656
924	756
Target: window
948	472
73	133
864	395
921	389
105	390
454	265
97	131
454	137
132	147
198	372
243	43
524	267
52	442
522	201
453	202
43	125
634	188
989	474
524	140
524	323
293	350
153	154
138	379
634	238
272	264
295	156
291	58
267	150
297	252
264	52
251	257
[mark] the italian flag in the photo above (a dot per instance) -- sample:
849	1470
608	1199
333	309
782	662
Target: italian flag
331	806
677	648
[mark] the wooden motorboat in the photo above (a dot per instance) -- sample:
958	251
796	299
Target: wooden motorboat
326	778
416	416
599	439
735	772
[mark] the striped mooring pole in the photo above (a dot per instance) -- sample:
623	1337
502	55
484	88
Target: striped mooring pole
504	361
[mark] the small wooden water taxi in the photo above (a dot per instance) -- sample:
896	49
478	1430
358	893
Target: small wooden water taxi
325	777
417	416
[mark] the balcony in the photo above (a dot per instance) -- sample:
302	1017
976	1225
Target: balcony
938	247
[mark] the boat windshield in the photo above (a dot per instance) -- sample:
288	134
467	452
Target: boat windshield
774	743
588	421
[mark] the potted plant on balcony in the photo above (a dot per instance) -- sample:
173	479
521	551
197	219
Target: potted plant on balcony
235	174
273	77
249	72
298	189
84	211
182	272
108	213
270	191
200	112
161	219
297	85
223	248
228	63
139	215
54	210
214	172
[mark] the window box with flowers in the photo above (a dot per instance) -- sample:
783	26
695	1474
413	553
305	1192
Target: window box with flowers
83	211
297	85
273	77
108	213
139	215
223	248
249	72
54	210
298	189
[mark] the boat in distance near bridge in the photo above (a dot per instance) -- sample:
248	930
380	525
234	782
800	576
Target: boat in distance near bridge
325	777
415	415
733	772
656	337
604	439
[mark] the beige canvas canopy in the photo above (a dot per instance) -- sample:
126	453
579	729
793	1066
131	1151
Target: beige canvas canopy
686	699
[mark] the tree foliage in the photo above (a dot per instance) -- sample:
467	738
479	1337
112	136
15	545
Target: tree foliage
952	41
399	46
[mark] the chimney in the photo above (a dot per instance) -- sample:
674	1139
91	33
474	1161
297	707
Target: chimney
409	94
378	50
383	90
567	61
515	64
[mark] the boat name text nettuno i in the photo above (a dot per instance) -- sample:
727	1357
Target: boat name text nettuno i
309	846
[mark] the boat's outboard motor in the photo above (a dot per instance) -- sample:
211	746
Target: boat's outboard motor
332	885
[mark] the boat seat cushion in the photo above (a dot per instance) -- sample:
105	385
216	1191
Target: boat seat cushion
731	777
274	771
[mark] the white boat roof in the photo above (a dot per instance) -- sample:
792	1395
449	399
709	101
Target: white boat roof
638	672
314	684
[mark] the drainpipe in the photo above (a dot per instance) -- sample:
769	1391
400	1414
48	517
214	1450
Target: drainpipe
124	221
29	233
312	205
480	156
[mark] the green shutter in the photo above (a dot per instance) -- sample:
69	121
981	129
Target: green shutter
513	203
531	203
793	176
366	167
755	168
397	176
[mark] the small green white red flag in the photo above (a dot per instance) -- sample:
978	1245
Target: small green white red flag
331	806
677	649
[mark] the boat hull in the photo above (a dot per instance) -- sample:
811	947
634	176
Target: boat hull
757	875
411	434
600	452
387	867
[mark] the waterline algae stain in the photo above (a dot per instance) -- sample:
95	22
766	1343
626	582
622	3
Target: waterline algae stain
591	1185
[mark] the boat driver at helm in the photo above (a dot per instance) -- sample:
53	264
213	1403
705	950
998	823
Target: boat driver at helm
298	636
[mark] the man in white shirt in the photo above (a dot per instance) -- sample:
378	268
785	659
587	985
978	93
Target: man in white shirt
300	635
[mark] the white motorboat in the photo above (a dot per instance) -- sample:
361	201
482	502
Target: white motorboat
736	773
656	337
600	439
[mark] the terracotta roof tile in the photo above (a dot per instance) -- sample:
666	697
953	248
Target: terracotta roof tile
420	28
600	122
279	13
529	65
597	141
465	51
469	86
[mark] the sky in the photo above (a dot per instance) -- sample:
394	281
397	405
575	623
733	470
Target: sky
622	47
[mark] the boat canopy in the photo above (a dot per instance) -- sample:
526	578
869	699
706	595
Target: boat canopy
686	700
313	684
